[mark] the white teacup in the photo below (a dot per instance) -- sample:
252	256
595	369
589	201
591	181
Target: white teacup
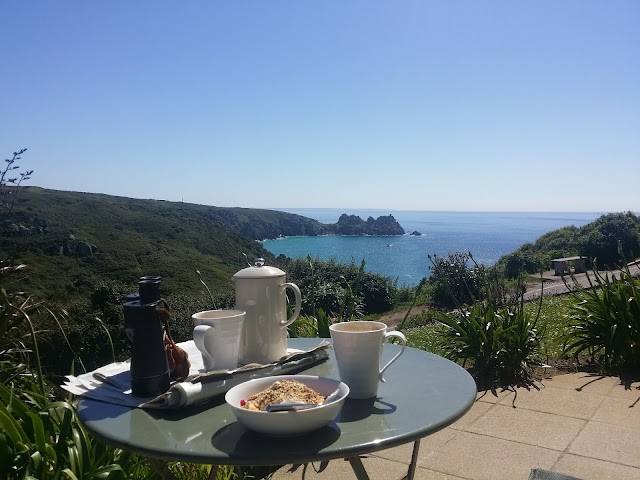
358	349
217	335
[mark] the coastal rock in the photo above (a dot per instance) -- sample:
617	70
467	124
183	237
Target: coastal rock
354	225
267	224
77	248
23	225
416	233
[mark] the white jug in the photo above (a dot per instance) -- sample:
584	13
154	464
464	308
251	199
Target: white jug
260	291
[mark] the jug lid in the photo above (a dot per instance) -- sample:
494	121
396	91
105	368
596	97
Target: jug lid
259	270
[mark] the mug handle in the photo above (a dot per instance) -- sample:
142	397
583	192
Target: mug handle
403	339
199	334
296	311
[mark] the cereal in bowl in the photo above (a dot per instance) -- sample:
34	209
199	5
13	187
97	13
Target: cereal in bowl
283	391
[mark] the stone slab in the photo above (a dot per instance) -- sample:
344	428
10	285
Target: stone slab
480	457
613	443
559	401
619	411
593	469
582	382
377	469
526	426
428	445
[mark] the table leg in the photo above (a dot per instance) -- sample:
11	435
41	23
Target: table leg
361	473
358	468
414	460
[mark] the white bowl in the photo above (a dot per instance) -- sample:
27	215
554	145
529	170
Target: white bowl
287	423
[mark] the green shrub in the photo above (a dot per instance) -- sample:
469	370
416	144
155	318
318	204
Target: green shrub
502	343
608	239
611	238
524	260
331	285
606	320
455	280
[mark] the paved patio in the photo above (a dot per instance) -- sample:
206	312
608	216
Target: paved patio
579	424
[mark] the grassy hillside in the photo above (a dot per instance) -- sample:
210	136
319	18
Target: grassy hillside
51	231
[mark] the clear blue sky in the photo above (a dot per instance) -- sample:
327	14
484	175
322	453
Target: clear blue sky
414	105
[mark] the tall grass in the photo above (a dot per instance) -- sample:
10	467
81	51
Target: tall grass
40	433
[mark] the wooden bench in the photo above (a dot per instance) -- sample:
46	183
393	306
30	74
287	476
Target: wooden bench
563	265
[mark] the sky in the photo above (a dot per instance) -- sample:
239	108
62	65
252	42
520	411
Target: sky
445	105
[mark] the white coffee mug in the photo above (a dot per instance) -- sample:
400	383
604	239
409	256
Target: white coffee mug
217	335
358	349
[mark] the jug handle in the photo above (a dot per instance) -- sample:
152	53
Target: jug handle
296	311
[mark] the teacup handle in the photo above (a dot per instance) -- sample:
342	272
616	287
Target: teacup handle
296	310
403	339
199	334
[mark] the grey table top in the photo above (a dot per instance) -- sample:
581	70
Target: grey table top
423	394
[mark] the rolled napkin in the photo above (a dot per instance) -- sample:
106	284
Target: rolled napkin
112	383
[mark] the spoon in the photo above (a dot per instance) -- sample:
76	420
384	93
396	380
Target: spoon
296	407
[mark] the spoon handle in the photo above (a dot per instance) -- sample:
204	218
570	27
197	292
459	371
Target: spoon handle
289	407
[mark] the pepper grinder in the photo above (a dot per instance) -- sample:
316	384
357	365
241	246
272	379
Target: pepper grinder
149	365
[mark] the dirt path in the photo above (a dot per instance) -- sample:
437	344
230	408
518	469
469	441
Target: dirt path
394	319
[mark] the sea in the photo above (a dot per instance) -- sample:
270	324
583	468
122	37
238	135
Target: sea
487	235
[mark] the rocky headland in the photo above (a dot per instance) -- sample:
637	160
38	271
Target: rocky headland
354	225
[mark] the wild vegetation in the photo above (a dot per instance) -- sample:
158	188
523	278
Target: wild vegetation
606	321
81	254
186	244
73	241
40	435
608	242
502	343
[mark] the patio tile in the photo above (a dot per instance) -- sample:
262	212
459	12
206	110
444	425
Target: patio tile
614	443
630	391
428	445
582	382
493	396
479	457
426	474
560	401
377	468
592	469
619	411
528	426
477	410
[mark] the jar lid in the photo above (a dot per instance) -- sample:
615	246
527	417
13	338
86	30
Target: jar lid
259	270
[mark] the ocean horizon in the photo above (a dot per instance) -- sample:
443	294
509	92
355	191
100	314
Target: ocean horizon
487	235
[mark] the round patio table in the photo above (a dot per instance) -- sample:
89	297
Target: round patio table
423	393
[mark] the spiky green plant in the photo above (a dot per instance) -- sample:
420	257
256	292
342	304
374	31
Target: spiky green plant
606	320
500	343
309	327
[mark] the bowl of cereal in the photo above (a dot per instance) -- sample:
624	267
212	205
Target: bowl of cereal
313	401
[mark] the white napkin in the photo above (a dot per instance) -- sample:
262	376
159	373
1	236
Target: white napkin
112	383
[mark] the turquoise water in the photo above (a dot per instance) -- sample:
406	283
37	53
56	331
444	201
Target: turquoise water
487	235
